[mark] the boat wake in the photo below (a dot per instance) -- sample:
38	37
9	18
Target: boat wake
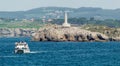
10	56
53	51
38	51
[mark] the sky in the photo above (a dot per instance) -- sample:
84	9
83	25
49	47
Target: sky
23	5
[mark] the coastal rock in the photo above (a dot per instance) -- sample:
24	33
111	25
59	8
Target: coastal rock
16	32
59	33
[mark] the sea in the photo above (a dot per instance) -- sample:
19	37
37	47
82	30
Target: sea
60	53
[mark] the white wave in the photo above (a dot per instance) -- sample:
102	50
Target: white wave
38	51
9	56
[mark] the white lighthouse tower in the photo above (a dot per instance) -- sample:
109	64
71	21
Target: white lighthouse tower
66	24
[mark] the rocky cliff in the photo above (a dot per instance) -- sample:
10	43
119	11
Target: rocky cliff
16	32
59	33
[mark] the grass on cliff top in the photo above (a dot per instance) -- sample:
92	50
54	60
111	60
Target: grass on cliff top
21	24
111	32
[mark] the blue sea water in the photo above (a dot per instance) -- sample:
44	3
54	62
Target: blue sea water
60	53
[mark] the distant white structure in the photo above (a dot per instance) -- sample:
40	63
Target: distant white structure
66	24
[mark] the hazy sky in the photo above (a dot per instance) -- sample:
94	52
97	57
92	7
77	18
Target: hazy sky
20	5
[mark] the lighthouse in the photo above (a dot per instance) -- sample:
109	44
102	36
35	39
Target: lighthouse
66	24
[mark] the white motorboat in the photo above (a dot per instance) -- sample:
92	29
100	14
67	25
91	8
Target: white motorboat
21	47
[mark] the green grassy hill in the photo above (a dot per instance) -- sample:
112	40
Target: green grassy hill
58	12
21	24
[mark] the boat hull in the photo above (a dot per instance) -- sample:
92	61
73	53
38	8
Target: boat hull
21	51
